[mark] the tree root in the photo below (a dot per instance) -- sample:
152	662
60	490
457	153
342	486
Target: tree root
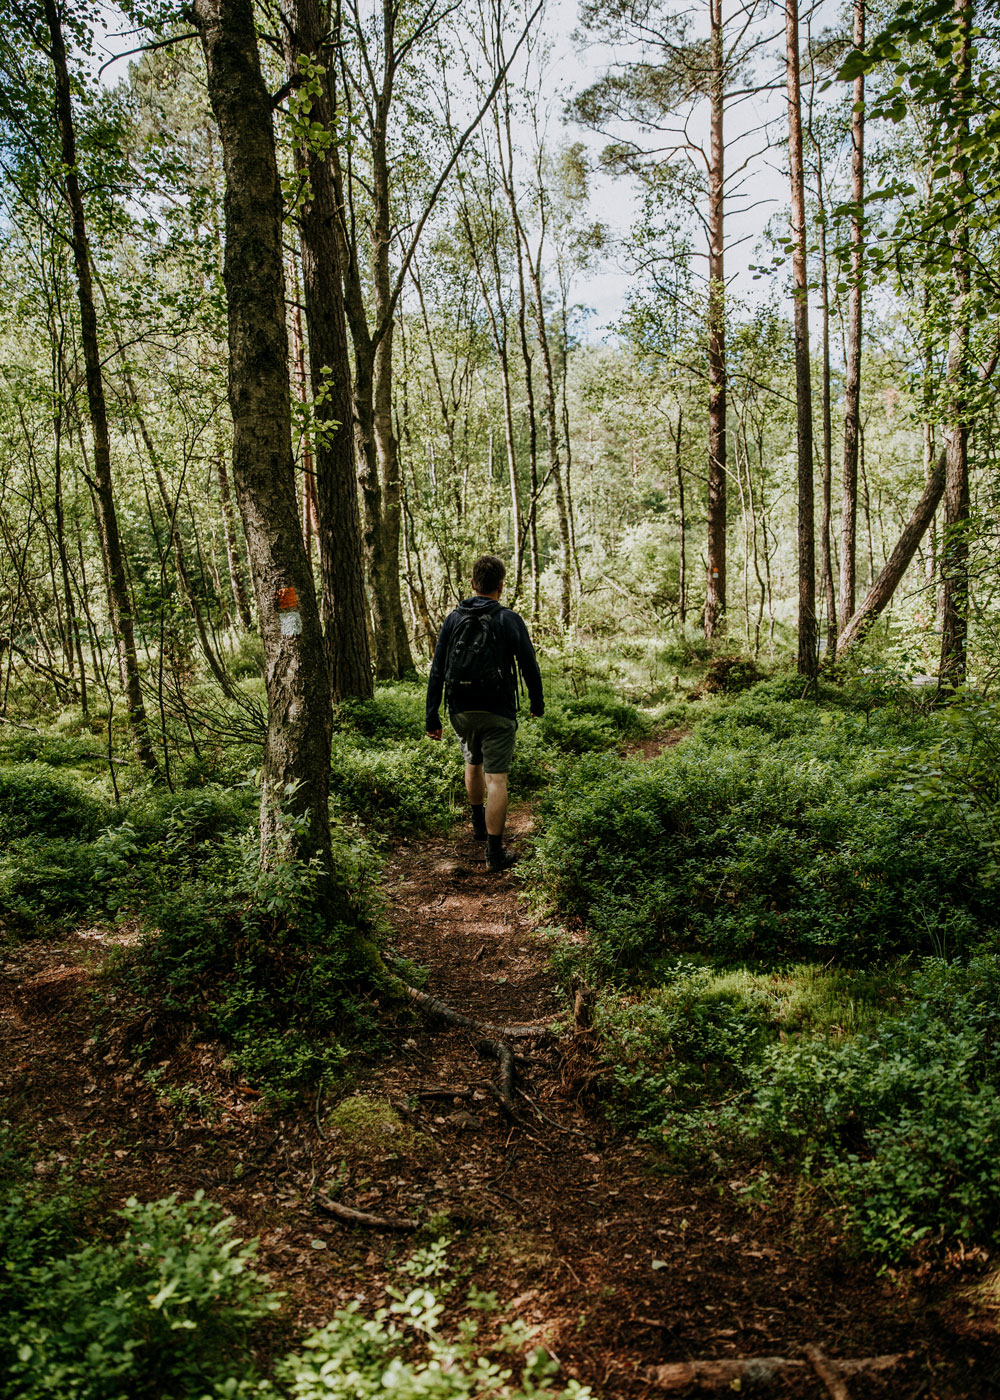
440	1011
492	1045
361	1217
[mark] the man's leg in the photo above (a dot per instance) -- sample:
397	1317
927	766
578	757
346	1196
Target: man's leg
497	857
475	787
496	803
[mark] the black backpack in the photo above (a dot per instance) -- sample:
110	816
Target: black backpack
477	666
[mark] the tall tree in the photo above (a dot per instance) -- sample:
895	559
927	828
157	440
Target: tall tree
295	778
119	601
310	62
806	528
657	96
955	543
852	382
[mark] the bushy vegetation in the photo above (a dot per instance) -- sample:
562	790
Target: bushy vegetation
165	1300
779	830
270	965
791	921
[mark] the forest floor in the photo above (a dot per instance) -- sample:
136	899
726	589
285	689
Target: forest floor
619	1264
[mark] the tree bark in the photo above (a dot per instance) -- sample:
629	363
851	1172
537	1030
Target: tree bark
807	650
338	514
120	605
899	560
715	589
295	779
852	384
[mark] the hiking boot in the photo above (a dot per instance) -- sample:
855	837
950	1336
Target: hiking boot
500	860
478	825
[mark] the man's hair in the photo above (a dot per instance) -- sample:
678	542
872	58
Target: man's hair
488	573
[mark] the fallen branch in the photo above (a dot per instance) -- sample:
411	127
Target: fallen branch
826	1370
444	1093
361	1217
725	1374
898	562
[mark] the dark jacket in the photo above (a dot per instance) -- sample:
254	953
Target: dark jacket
518	651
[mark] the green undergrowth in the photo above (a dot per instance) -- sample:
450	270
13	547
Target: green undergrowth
780	829
882	1090
164	1298
791	925
385	769
278	971
277	965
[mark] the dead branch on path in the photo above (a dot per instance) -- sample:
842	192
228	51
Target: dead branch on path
730	1372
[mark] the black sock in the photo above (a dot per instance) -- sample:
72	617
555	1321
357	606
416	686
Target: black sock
494	846
478	817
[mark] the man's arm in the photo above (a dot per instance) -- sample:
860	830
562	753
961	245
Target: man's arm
528	663
435	682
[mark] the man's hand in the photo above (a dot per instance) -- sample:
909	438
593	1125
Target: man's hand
435	733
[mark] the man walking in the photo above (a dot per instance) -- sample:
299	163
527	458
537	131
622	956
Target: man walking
481	648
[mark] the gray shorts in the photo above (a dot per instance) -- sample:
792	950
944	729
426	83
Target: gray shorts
485	738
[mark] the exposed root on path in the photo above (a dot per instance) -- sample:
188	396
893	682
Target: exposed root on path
438	1010
362	1217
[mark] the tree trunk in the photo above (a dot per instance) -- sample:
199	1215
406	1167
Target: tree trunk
885	585
236	583
295	779
955	540
120	605
387	455
803	385
338	514
852	384
715	590
826	561
682	522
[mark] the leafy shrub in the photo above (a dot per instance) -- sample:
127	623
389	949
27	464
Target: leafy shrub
354	1358
170	823
394	712
52	879
675	1052
168	1308
730	675
69	750
591	723
408	787
682	1045
267	962
35	801
171	1305
804	846
902	1122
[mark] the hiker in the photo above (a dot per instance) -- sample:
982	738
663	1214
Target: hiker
478	654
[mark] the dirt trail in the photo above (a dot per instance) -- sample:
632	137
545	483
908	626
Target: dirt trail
620	1266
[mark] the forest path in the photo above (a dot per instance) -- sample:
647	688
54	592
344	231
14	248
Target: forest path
618	1265
621	1265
